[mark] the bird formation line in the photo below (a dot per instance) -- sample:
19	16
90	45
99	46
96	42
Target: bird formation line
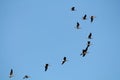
84	51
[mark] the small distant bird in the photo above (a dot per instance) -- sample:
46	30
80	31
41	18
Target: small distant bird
64	60
78	25
90	36
84	17
73	9
84	52
92	17
46	67
26	76
88	43
11	73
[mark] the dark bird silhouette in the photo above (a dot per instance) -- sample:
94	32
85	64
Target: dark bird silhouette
84	17
26	76
84	52
11	73
88	43
64	60
73	9
78	25
90	36
92	18
46	67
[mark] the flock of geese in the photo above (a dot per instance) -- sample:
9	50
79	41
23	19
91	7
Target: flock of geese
84	51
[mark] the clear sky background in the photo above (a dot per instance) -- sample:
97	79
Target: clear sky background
36	32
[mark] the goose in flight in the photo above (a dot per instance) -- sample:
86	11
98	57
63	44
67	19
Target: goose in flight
84	51
84	17
26	76
64	60
92	18
90	36
46	67
78	25
73	9
88	43
11	73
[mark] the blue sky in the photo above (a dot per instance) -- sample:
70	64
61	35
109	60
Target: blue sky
36	32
